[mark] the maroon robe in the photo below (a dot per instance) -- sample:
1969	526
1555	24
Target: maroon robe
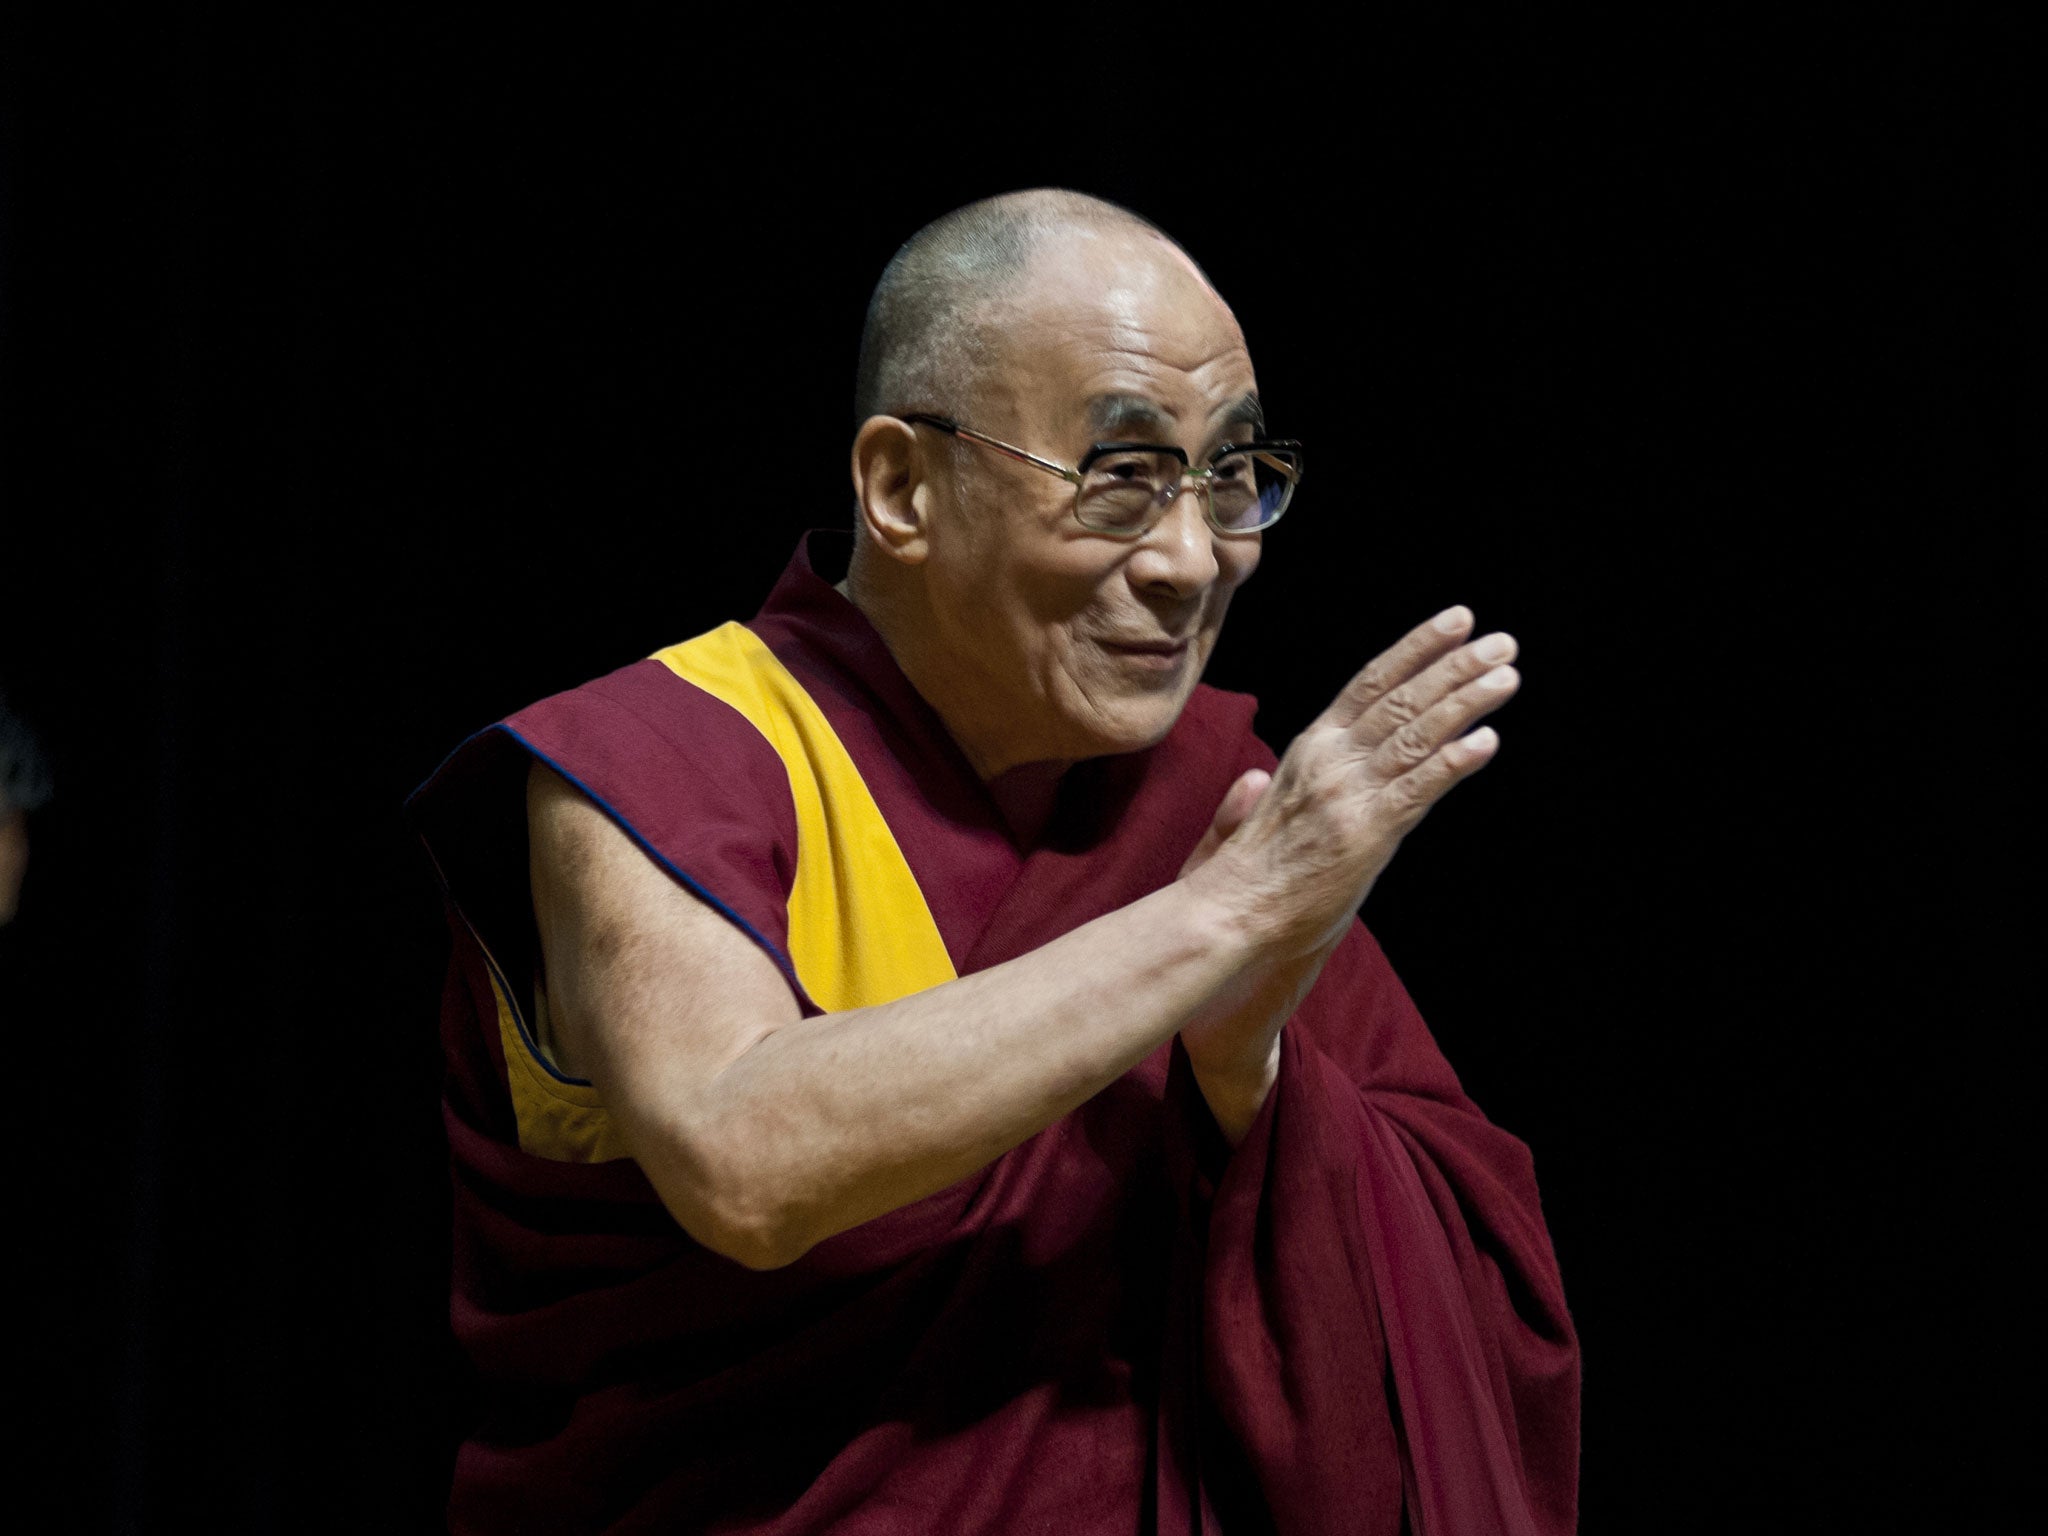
1351	1323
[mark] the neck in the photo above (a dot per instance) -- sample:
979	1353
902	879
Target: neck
1026	796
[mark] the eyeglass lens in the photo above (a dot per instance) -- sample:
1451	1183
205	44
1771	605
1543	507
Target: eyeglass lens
1121	492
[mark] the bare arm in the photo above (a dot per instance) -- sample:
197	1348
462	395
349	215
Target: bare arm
765	1132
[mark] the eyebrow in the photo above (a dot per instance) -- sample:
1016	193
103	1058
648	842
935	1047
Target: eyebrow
1118	415
1245	410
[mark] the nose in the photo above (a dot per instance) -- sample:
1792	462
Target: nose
1178	552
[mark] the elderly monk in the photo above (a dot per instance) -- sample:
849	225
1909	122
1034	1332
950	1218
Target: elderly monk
921	1069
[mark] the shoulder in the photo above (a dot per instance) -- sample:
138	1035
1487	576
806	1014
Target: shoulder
652	749
687	777
635	722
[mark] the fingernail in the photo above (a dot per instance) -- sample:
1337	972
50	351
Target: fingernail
1498	678
1452	619
1493	648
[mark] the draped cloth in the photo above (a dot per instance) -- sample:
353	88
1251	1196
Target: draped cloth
1352	1322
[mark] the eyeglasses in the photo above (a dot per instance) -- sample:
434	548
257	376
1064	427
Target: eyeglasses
1122	489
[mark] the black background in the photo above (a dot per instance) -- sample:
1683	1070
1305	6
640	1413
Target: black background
364	383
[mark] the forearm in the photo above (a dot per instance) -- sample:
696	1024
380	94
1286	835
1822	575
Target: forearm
827	1122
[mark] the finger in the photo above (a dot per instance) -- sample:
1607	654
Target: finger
1398	663
1239	799
1411	746
1437	682
1410	797
1237	804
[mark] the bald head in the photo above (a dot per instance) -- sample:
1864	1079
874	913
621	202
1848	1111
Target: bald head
1053	323
935	323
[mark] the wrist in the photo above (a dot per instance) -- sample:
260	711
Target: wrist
1236	1090
1222	920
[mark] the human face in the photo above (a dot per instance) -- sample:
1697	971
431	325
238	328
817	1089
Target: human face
1054	643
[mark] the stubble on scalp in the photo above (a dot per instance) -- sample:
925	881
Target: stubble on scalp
939	318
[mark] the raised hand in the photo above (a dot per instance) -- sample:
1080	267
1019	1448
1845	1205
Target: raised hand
1358	780
1292	859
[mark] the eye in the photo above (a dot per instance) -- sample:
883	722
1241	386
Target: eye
1124	466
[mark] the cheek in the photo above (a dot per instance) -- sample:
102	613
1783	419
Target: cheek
1065	591
1025	623
1236	561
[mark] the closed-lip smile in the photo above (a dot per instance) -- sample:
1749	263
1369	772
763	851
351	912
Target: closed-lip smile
1148	647
1162	659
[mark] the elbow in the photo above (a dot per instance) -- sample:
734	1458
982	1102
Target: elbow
754	1244
733	1213
760	1254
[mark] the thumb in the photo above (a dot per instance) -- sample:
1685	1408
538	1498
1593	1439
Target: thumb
1237	804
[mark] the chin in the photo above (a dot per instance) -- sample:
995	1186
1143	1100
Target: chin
1136	729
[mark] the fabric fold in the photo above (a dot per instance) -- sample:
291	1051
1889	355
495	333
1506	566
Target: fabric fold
1350	1321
